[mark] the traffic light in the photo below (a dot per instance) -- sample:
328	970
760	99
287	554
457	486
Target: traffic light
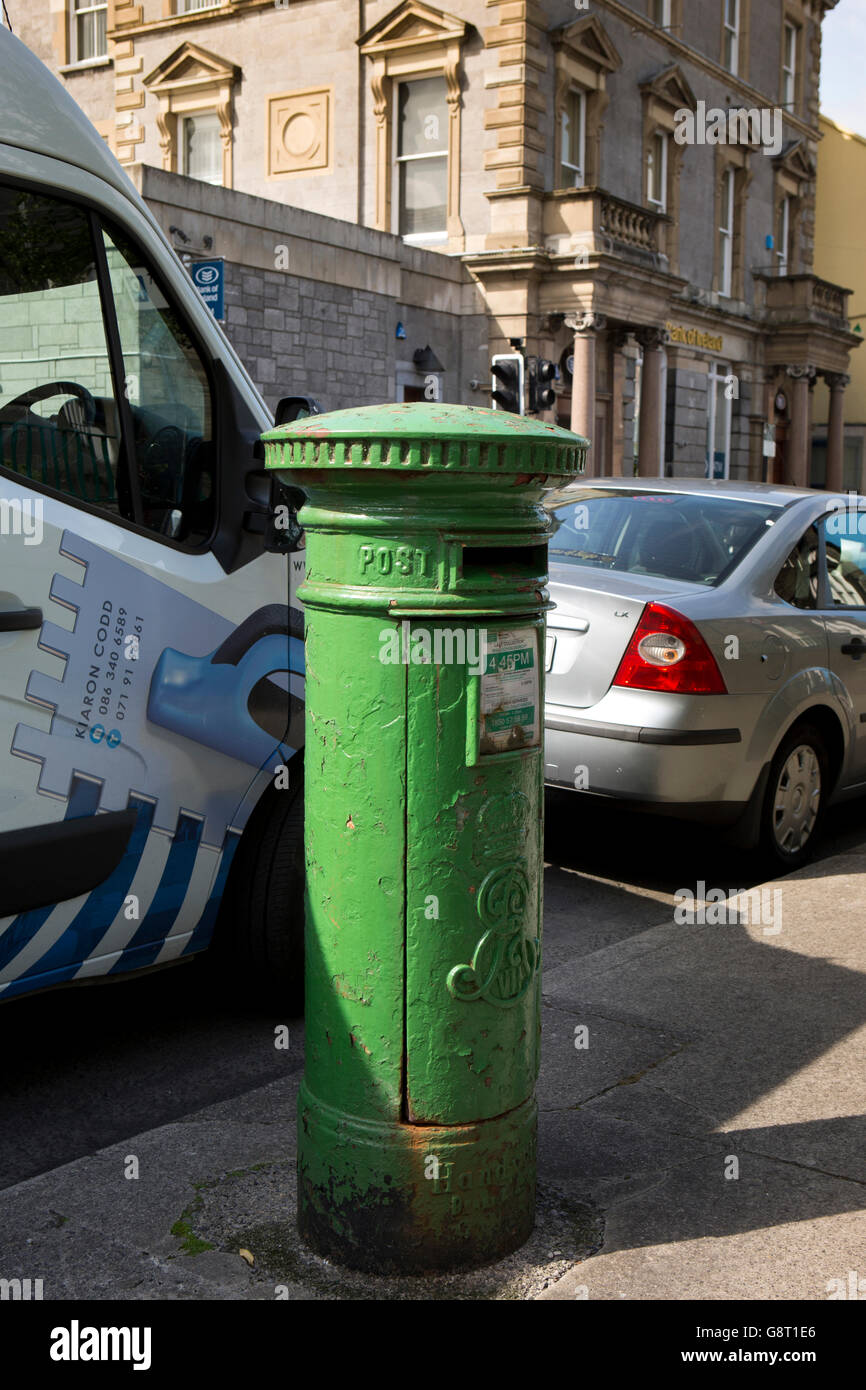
506	386
541	393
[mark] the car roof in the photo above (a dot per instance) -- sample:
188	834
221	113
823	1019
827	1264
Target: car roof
771	494
38	114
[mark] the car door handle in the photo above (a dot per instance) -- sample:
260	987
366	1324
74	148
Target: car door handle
857	648
20	619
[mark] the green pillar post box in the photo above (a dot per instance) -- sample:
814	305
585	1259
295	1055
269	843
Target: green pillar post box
425	599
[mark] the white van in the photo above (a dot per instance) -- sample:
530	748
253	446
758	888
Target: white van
151	664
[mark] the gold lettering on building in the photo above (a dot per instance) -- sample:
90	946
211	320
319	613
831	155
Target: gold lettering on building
693	337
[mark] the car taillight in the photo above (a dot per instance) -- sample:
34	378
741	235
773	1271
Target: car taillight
667	652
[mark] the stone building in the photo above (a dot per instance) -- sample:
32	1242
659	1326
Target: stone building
839	255
627	186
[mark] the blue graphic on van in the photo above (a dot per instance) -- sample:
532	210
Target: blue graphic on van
208	698
138	723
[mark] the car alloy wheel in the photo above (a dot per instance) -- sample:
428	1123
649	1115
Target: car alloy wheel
797	800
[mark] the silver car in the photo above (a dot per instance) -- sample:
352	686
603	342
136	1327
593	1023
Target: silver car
706	657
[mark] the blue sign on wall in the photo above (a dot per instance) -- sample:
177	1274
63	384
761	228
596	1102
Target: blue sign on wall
209	280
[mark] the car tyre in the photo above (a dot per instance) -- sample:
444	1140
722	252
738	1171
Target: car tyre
259	935
795	799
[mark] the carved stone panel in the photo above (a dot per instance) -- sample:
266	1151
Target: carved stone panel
299	131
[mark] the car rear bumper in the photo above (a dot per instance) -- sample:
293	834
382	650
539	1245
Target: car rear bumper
683	767
631	733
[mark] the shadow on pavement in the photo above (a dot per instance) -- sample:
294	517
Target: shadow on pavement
746	1053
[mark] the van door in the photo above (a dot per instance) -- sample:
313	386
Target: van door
141	686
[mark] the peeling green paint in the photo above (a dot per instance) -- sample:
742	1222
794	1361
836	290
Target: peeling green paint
402	503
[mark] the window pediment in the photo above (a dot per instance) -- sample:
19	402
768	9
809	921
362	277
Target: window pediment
588	40
796	162
412	25
189	66
670	88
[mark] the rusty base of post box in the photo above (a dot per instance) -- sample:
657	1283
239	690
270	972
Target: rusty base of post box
413	1199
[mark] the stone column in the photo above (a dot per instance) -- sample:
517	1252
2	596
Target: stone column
798	449
648	451
585	326
774	464
617	425
837	381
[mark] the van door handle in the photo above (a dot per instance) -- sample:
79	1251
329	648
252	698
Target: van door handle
857	648
22	619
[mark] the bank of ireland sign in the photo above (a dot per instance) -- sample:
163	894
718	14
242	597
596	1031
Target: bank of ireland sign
209	279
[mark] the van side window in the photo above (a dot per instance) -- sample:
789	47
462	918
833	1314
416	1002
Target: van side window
59	423
90	389
169	396
797	580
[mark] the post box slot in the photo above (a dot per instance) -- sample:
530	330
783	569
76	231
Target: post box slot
503	560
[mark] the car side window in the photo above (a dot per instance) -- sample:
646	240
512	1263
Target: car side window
169	397
797	580
59	421
845	547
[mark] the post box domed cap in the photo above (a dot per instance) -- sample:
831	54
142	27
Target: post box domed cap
426	436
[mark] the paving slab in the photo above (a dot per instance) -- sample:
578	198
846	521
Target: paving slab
701	1135
736	1166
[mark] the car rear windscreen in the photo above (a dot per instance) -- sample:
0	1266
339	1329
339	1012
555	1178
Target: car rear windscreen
672	535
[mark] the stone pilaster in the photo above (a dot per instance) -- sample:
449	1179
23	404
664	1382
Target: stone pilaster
128	96
519	119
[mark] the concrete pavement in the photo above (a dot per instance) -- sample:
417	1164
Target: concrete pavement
732	1163
701	1136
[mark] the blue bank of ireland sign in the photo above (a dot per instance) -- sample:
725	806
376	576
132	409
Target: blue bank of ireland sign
209	280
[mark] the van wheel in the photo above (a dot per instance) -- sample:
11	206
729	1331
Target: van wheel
795	798
260	930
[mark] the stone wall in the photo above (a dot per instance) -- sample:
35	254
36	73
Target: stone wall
313	304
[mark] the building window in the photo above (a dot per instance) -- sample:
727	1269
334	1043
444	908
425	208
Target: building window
194	89
731	34
719	407
789	66
188	6
87	30
657	172
422	159
573	135
584	57
660	13
201	147
416	90
663	99
726	234
783	235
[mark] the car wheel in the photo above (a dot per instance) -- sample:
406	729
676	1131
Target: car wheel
795	798
260	931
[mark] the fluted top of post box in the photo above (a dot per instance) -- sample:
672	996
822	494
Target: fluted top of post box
422	436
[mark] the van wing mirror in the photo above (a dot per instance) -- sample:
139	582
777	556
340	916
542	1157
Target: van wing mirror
296	408
248	504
